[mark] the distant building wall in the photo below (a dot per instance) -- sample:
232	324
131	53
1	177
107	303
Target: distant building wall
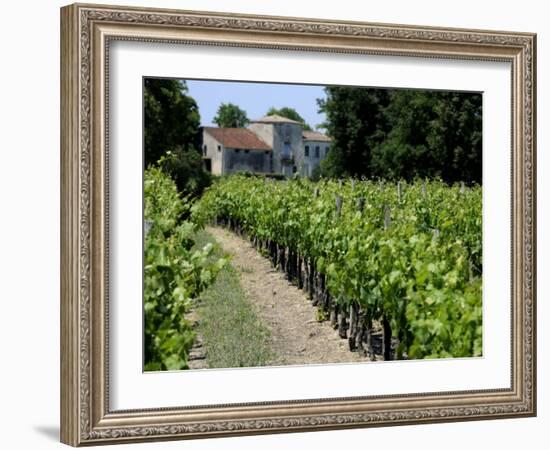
313	153
241	160
213	150
291	152
287	144
265	132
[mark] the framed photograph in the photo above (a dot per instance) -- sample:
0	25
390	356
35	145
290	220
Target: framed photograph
276	224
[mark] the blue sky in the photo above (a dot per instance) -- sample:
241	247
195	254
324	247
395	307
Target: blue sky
256	98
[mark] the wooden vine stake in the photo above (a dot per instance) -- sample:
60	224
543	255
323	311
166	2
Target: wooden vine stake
385	322
147	225
387	217
361	204
342	323
342	319
356	326
362	333
352	325
339	202
310	268
334	316
399	191
387	337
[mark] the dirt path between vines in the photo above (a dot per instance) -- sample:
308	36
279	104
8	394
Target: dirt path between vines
297	337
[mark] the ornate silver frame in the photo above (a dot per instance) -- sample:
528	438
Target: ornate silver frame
86	31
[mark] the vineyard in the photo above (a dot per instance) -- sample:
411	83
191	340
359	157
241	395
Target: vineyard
405	259
174	274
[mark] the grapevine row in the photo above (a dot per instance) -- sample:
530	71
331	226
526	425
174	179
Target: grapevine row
406	258
174	274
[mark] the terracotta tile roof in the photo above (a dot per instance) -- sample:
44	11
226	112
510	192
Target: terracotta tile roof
275	119
241	138
315	136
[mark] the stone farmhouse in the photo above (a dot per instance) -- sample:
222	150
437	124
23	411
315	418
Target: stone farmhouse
272	144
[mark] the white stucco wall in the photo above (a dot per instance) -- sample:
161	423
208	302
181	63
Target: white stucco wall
212	152
243	160
309	163
276	134
286	133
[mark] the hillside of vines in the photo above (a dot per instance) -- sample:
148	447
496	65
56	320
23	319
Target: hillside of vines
405	258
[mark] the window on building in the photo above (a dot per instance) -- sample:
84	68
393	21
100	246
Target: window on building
219	148
306	151
237	150
327	148
317	151
294	169
246	151
204	150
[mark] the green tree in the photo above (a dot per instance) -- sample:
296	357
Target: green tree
403	134
433	134
187	170
355	121
289	113
171	118
171	132
230	115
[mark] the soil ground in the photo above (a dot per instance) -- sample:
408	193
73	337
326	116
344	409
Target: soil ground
297	337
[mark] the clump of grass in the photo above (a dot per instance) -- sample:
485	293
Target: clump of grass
321	315
232	334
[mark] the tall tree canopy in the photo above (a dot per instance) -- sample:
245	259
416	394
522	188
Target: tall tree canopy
171	118
289	113
356	123
171	132
433	134
403	134
230	115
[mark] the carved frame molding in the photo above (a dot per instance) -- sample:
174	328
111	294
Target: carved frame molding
86	31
